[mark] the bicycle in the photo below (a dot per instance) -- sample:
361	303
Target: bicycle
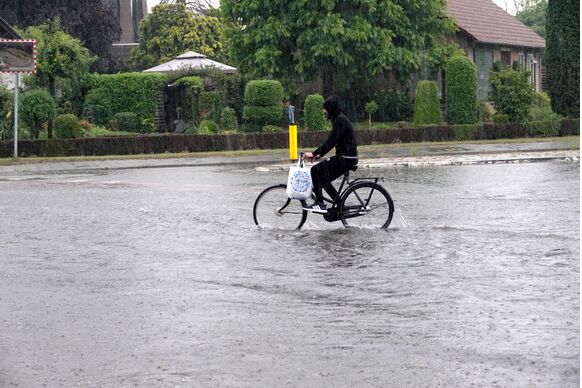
362	203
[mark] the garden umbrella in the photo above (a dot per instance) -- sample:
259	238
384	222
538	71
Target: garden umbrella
190	61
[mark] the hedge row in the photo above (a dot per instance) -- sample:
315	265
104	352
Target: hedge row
148	144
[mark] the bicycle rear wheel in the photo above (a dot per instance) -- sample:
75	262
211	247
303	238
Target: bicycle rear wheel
366	205
273	209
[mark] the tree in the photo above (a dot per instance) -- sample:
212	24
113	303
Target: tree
170	30
199	7
461	74
37	107
511	93
60	57
346	44
90	21
563	56
533	15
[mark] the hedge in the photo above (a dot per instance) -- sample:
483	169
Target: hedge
461	81
427	106
313	112
147	144
263	93
67	126
126	92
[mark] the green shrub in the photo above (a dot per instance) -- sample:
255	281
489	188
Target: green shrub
464	132
544	128
97	107
263	103
36	107
263	114
6	116
208	103
486	112
188	103
500	119
125	92
511	93
461	84
427	107
273	128
541	109
67	126
313	112
371	108
263	93
125	121
393	106
192	129
208	126
228	120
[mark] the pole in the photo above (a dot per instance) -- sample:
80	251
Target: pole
292	134
17	86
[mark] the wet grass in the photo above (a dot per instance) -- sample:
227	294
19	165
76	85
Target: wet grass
573	141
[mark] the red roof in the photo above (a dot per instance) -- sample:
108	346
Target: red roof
488	23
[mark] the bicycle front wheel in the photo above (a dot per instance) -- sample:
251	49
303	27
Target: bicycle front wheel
273	209
366	205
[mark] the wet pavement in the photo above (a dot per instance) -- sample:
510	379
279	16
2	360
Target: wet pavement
157	277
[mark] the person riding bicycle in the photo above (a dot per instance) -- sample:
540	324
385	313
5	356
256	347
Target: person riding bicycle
346	155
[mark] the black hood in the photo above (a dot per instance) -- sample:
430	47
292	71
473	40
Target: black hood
332	106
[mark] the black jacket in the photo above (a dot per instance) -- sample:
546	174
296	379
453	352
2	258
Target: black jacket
342	133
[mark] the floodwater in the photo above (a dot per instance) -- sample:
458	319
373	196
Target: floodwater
159	278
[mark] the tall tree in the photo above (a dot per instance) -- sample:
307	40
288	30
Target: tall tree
199	7
170	30
60	57
533	15
343	43
90	21
563	56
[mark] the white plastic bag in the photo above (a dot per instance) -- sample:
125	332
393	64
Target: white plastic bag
299	181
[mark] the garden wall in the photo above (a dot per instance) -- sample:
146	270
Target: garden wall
175	143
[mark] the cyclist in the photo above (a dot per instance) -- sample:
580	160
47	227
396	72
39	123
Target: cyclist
346	155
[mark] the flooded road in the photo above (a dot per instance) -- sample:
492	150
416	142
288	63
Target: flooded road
159	278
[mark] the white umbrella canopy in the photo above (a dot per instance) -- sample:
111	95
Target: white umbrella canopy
190	61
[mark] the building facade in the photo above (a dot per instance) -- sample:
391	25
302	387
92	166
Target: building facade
488	34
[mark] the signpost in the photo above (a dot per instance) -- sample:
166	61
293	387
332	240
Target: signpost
292	134
17	56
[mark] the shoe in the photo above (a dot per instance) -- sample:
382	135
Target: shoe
316	207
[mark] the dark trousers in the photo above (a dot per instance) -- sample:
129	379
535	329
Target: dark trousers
323	173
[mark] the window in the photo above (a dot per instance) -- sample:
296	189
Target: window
506	57
521	59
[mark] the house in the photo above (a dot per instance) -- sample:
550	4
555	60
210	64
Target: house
488	34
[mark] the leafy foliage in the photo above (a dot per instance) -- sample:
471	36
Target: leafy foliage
6	115
35	108
541	109
563	56
511	93
125	121
62	61
393	105
171	30
427	107
344	43
313	112
228	120
263	100
533	15
89	21
461	87
126	92
67	126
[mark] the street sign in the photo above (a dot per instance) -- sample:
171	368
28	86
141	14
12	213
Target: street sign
17	56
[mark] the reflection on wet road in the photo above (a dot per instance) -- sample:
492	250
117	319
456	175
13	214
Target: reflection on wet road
158	277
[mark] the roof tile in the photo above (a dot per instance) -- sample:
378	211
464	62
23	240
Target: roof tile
489	23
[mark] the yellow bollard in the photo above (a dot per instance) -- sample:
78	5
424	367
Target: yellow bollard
293	142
